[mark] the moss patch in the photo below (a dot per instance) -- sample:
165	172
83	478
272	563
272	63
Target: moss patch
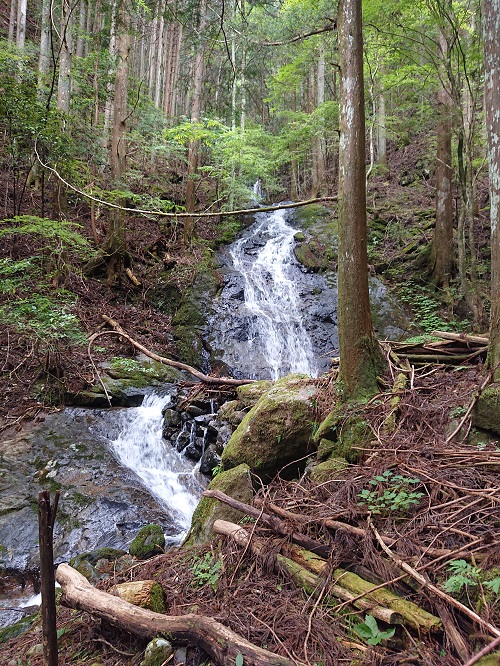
249	394
277	431
150	541
487	411
340	432
328	470
236	483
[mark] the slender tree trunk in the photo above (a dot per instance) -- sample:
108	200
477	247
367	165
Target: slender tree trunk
360	355
115	243
64	82
44	56
195	116
21	23
491	30
108	108
12	21
381	129
441	261
82	22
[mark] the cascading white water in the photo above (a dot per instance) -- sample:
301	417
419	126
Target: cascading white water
272	298
163	471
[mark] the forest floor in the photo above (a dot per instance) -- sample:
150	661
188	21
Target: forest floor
448	514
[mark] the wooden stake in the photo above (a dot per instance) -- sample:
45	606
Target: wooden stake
46	519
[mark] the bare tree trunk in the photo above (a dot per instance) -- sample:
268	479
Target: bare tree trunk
44	56
12	20
441	260
82	22
491	21
195	116
360	355
21	23
64	82
381	130
159	60
108	108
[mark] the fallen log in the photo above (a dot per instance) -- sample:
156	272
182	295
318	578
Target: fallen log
271	521
222	644
306	570
462	337
206	379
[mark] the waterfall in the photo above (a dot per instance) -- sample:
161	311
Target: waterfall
262	329
165	473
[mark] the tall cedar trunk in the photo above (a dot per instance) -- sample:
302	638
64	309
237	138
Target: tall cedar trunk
12	20
115	244
360	355
108	108
195	116
442	242
66	48
21	23
44	56
491	30
381	128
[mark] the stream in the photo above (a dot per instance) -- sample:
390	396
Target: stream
117	472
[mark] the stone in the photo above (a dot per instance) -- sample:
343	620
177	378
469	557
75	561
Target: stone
277	432
486	414
158	651
150	541
328	470
236	483
209	460
343	431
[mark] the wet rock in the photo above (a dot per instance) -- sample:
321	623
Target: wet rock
209	460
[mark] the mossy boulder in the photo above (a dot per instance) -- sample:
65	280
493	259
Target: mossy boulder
277	431
344	431
328	470
314	256
236	483
96	562
487	411
150	541
249	394
189	345
326	448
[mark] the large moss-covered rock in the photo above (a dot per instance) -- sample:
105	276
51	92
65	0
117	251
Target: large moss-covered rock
277	431
249	394
487	412
236	483
150	541
158	652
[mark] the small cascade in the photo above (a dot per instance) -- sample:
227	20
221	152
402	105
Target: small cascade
261	327
163	471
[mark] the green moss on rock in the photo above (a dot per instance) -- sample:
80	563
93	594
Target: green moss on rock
249	394
277	431
236	483
328	470
17	629
345	432
150	541
189	345
487	411
158	652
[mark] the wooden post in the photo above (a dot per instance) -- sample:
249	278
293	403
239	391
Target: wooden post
46	519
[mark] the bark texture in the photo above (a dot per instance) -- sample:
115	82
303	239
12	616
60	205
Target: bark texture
491	30
360	355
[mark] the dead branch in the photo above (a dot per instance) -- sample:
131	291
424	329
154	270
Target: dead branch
206	379
222	644
274	523
487	626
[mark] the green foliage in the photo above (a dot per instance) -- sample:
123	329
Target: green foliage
465	576
206	570
60	234
239	660
424	304
370	632
392	492
48	321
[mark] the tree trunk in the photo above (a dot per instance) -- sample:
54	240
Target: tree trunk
195	116
491	28
360	354
21	23
442	242
12	21
115	243
64	82
381	128
44	56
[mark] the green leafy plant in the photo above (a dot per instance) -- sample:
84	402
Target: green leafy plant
391	492
206	570
370	631
239	660
465	576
